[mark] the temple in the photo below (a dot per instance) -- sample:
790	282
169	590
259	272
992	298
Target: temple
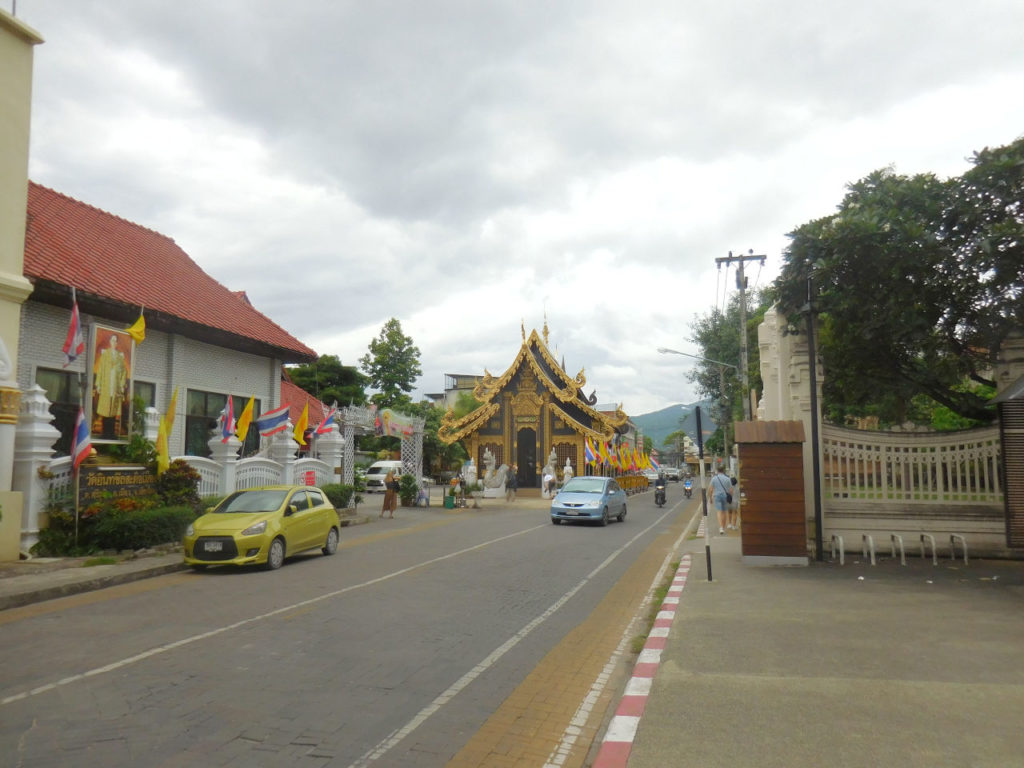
532	408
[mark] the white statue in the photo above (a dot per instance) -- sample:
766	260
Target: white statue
469	472
548	476
567	473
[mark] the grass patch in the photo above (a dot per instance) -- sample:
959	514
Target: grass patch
99	561
660	592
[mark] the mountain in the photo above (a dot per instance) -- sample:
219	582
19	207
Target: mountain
660	424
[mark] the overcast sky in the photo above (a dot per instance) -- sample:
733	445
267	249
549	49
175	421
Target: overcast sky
470	166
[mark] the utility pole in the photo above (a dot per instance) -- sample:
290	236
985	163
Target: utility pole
741	284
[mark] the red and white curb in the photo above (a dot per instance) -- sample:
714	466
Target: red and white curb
618	740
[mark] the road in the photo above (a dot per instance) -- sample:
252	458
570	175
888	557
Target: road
440	638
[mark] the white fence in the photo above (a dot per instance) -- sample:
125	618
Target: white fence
911	468
943	486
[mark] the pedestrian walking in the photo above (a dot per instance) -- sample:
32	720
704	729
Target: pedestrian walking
511	484
390	495
721	490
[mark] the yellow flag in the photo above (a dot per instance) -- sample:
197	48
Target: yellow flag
300	426
171	407
245	419
137	330
163	458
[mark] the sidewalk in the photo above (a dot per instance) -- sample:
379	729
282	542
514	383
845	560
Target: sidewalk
849	665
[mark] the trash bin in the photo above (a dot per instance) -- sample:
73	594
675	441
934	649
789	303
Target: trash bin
449	502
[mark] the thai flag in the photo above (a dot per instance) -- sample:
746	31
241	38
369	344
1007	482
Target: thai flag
273	421
74	344
227	425
81	445
588	451
654	463
327	424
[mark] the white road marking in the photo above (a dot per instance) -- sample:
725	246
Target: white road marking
160	649
389	743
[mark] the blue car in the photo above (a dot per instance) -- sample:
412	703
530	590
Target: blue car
597	499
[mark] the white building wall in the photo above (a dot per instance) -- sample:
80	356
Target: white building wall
166	360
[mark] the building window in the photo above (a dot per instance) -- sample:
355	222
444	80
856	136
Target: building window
147	391
201	414
64	392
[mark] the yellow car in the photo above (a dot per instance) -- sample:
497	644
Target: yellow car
263	526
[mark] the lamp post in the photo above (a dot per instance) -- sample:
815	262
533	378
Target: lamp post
721	384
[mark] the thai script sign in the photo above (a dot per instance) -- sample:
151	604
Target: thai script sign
125	482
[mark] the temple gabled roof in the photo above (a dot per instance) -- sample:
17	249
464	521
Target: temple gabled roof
566	391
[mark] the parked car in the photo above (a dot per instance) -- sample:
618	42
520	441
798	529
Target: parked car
589	498
263	526
378	471
672	473
651	475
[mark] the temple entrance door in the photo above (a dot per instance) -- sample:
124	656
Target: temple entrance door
526	458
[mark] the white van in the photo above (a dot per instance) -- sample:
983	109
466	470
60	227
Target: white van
378	471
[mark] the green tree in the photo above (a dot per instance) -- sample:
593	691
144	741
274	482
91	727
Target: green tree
916	281
392	366
718	335
330	381
465	404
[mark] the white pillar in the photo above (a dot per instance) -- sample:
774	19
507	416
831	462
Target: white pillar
283	449
330	448
226	455
33	450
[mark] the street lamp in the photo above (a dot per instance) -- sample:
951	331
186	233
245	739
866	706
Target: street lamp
721	383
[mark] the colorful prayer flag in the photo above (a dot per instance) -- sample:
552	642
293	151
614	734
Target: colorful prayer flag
245	419
74	344
81	445
300	427
274	421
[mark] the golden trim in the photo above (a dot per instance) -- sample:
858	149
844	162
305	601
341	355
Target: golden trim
10	404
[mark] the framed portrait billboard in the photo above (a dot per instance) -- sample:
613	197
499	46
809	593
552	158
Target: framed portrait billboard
112	356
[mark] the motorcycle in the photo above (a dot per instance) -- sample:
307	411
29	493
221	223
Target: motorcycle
659	495
688	488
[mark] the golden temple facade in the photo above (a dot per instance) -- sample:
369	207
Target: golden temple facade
532	408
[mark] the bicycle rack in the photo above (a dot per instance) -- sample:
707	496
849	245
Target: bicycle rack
953	537
868	544
930	538
895	539
838	540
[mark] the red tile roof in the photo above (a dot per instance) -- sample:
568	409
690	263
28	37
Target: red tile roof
296	397
70	243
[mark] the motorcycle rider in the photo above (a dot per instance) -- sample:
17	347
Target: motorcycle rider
659	489
688	486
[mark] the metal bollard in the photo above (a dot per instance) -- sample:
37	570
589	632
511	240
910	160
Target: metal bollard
868	544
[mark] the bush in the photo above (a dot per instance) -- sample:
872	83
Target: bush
339	494
179	485
407	489
143	528
118	524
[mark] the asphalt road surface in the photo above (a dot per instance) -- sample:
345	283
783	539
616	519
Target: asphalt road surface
440	638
